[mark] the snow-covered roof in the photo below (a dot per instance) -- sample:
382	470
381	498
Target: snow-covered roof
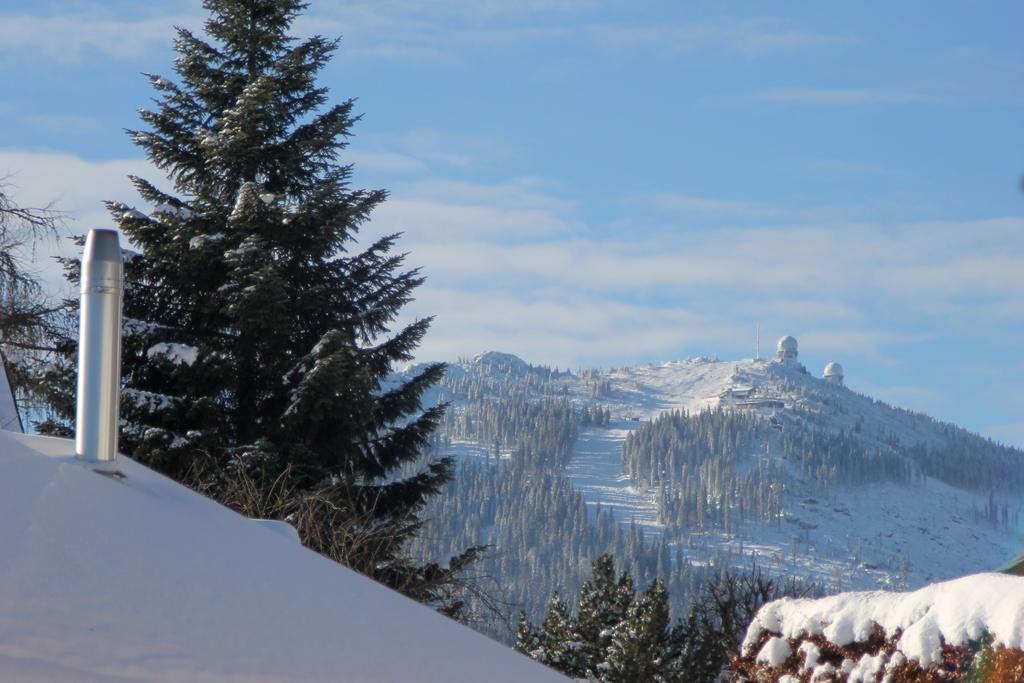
948	613
142	579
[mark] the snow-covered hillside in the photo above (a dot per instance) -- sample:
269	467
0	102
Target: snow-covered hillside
866	495
140	579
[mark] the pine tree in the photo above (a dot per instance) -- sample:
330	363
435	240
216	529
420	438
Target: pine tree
258	338
558	639
616	638
604	603
641	643
696	653
527	638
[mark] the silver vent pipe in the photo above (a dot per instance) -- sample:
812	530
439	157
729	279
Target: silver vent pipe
99	349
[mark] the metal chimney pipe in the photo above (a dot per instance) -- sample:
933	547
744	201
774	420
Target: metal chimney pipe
99	348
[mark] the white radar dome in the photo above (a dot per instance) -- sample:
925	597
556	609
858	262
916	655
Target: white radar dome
786	350
834	373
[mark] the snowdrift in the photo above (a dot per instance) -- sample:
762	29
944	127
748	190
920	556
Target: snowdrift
966	629
140	579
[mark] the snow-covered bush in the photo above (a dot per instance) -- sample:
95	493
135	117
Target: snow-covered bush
968	629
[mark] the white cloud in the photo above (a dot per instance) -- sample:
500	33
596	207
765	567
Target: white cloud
844	169
857	340
410	31
811	310
838	97
737	210
389	163
514	235
744	38
73	186
459	150
401	30
969	274
512	265
442	219
524	192
71	38
848	289
567	329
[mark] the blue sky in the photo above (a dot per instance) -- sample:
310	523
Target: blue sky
606	183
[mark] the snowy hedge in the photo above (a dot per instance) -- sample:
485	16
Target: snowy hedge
969	629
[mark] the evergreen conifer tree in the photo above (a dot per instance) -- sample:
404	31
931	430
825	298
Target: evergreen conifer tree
558	639
641	644
527	638
258	335
604	603
616	638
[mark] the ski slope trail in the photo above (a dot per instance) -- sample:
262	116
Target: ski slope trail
596	471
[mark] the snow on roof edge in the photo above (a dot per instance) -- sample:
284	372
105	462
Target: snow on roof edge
144	579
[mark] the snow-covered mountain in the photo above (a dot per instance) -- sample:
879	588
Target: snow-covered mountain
746	462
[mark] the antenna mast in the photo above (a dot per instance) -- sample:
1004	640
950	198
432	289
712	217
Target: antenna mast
757	343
